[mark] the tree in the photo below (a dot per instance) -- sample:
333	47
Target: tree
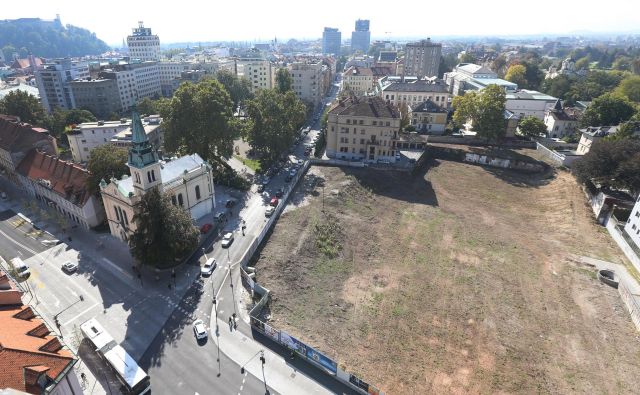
25	106
583	63
622	63
557	87
147	106
404	115
531	126
516	74
199	119
485	109
164	233
466	57
105	162
239	89
60	120
609	109
284	81
627	130
630	87
613	164
274	120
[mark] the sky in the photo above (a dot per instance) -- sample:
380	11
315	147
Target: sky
262	20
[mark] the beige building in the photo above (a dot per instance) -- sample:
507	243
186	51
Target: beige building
561	121
89	135
309	82
358	79
415	91
428	117
188	180
592	134
259	72
363	129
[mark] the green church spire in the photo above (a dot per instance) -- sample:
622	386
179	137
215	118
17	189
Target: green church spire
141	153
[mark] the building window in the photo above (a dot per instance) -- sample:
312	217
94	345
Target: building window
198	192
173	200
153	175
115	208
126	219
149	176
180	201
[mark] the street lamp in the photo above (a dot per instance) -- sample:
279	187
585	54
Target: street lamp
263	361
215	308
55	317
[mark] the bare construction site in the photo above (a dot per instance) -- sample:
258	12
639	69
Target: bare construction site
460	279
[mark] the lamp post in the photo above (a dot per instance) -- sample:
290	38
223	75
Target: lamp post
263	361
215	308
55	317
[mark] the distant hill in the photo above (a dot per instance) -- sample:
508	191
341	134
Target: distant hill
47	38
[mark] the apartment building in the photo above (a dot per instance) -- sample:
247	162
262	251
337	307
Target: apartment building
359	80
428	117
62	186
53	80
363	128
412	91
33	360
89	135
308	81
422	58
143	45
135	81
259	72
561	121
100	96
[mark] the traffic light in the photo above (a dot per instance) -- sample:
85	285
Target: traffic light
242	370
262	360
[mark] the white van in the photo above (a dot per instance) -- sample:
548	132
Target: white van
20	267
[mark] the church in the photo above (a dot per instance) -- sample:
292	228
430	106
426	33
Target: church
188	180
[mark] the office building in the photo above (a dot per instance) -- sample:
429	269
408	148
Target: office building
361	37
53	80
100	96
422	58
331	41
143	45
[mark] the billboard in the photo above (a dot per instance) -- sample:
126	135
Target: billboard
293	343
273	333
320	359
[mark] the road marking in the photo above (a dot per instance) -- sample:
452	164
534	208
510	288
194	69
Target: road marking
77	316
18	243
117	268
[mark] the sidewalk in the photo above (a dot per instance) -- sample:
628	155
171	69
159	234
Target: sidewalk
279	374
621	273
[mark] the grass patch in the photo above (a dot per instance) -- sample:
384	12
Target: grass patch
328	236
253	164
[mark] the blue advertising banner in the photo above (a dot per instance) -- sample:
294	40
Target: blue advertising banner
293	343
320	359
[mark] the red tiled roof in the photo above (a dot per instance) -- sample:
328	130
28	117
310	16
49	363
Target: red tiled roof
19	137
65	178
24	356
24	63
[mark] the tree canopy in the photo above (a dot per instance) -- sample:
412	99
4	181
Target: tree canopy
25	106
611	163
106	161
284	81
165	233
485	109
517	74
47	39
532	126
571	90
608	110
274	120
199	119
239	89
630	87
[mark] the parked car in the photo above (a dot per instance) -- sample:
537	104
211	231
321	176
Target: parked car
219	217
280	193
199	329
69	266
261	188
293	172
230	203
269	211
288	177
205	228
208	267
227	239
274	202
3	196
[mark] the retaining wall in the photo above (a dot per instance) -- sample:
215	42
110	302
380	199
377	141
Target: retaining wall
612	226
479	142
485	160
631	303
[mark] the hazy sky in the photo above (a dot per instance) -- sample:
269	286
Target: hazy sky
195	20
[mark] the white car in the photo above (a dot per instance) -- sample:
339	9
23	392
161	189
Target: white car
199	329
69	267
227	239
269	211
208	267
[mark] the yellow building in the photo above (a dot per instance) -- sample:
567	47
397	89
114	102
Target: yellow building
428	117
363	128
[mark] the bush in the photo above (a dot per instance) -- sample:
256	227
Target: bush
231	178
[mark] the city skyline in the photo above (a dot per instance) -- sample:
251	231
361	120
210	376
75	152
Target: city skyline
267	22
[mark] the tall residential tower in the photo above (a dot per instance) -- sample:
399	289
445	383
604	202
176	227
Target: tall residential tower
422	58
143	45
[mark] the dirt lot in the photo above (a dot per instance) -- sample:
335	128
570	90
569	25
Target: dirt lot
459	280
